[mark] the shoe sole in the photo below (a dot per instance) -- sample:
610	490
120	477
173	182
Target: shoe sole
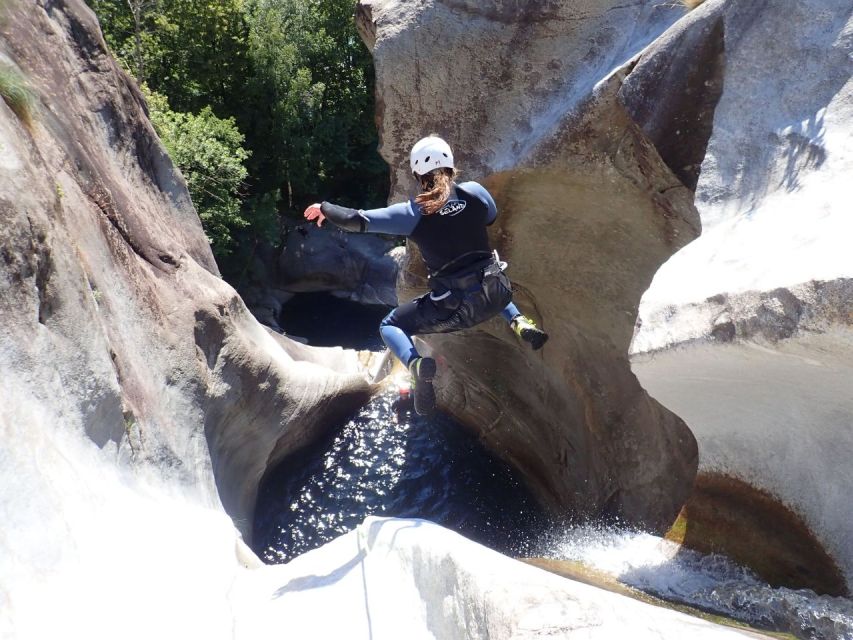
536	337
424	391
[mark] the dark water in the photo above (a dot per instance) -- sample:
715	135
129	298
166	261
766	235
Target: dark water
379	464
383	463
327	321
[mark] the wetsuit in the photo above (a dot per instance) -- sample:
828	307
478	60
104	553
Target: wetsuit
467	285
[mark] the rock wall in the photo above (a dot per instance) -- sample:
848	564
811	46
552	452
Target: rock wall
358	267
134	381
362	268
116	325
747	333
541	104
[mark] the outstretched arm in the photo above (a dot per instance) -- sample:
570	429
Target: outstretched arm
398	219
343	217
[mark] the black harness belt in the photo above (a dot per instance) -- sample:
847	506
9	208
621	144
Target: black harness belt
468	278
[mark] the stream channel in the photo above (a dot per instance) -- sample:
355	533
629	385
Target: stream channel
383	462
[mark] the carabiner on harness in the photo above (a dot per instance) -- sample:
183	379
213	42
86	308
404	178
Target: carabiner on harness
496	266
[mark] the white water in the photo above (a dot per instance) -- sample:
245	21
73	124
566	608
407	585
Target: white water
709	582
91	548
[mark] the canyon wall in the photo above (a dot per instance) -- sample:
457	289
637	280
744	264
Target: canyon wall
533	98
117	328
747	333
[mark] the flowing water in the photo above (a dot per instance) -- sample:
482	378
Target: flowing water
712	583
383	462
390	464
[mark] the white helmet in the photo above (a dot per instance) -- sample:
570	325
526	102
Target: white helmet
430	153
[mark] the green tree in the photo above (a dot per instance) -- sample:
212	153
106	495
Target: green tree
193	51
312	84
202	54
292	74
209	152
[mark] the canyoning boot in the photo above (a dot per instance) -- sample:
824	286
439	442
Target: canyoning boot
527	330
423	372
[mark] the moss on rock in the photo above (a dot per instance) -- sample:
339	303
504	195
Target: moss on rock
16	93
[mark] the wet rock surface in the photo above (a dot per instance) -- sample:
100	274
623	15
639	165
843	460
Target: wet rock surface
746	333
116	321
540	112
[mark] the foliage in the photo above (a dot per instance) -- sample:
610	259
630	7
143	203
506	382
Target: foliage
292	74
192	51
209	152
314	75
16	93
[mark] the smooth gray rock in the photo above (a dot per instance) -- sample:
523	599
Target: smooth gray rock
115	320
530	97
746	333
445	586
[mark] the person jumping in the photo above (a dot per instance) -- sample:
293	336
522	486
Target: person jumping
447	221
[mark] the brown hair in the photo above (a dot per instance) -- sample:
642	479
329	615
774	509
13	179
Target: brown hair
436	187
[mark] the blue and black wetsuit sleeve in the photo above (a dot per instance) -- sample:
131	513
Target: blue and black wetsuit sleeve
399	219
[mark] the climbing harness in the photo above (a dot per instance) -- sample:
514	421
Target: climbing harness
466	279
